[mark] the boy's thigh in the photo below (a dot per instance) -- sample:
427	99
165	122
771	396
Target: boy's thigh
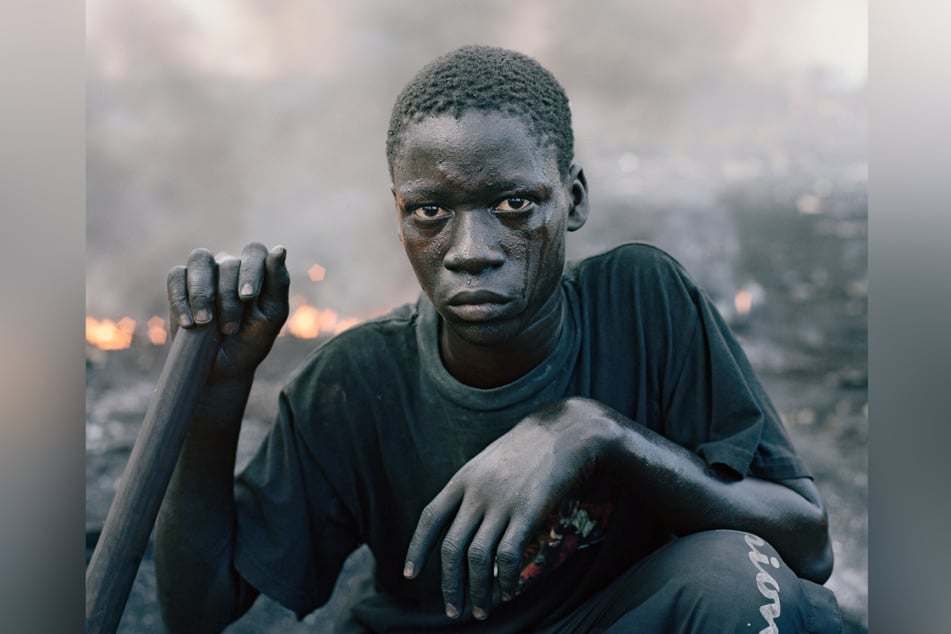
714	581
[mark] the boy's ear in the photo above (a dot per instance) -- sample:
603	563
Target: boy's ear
396	201
578	212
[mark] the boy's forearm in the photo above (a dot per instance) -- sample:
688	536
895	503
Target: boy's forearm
199	589
696	498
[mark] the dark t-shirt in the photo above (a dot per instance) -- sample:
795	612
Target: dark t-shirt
372	426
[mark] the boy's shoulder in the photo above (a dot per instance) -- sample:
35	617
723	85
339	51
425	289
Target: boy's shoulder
356	351
630	260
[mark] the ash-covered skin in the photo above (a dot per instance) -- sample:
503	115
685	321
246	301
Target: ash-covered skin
483	212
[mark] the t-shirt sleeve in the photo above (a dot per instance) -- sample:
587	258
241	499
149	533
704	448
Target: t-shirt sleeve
293	531
715	405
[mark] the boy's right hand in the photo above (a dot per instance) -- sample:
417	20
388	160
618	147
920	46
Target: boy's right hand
246	298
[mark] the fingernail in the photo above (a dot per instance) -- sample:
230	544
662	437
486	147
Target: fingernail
451	611
506	596
202	316
247	289
479	613
184	320
408	570
230	329
280	251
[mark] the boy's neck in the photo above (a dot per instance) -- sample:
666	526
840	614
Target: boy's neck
487	367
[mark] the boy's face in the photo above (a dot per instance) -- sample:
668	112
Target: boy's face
483	212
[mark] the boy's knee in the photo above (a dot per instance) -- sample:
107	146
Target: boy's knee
730	574
728	580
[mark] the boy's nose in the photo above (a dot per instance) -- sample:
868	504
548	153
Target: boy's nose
475	243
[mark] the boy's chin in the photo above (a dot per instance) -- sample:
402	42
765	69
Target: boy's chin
486	334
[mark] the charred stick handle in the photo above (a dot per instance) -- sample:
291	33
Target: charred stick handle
131	516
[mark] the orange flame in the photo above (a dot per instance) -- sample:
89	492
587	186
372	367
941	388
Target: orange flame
305	322
106	334
308	322
157	333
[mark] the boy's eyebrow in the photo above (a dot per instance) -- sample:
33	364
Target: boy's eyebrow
410	190
418	191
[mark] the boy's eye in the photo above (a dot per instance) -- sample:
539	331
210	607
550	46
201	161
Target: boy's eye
430	212
514	203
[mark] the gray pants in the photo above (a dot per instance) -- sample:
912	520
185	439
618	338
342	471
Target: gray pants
711	582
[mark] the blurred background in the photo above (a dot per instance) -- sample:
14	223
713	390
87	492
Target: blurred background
732	134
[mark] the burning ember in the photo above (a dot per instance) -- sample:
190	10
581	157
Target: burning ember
307	322
157	333
106	334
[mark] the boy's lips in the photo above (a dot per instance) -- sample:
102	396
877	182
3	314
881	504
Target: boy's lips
477	304
475	297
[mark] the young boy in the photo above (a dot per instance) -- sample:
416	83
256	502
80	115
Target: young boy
527	447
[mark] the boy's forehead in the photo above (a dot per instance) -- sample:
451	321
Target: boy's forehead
474	136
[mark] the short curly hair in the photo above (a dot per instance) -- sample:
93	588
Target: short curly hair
484	78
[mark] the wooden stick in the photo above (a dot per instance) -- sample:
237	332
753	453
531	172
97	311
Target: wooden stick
131	516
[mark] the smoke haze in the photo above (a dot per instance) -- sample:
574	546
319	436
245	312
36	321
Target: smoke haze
215	123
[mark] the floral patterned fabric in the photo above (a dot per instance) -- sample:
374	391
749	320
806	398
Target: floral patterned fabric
573	526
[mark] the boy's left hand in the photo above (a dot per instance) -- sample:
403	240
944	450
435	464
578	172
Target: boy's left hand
497	499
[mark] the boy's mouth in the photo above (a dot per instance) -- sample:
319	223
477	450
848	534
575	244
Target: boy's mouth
477	305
